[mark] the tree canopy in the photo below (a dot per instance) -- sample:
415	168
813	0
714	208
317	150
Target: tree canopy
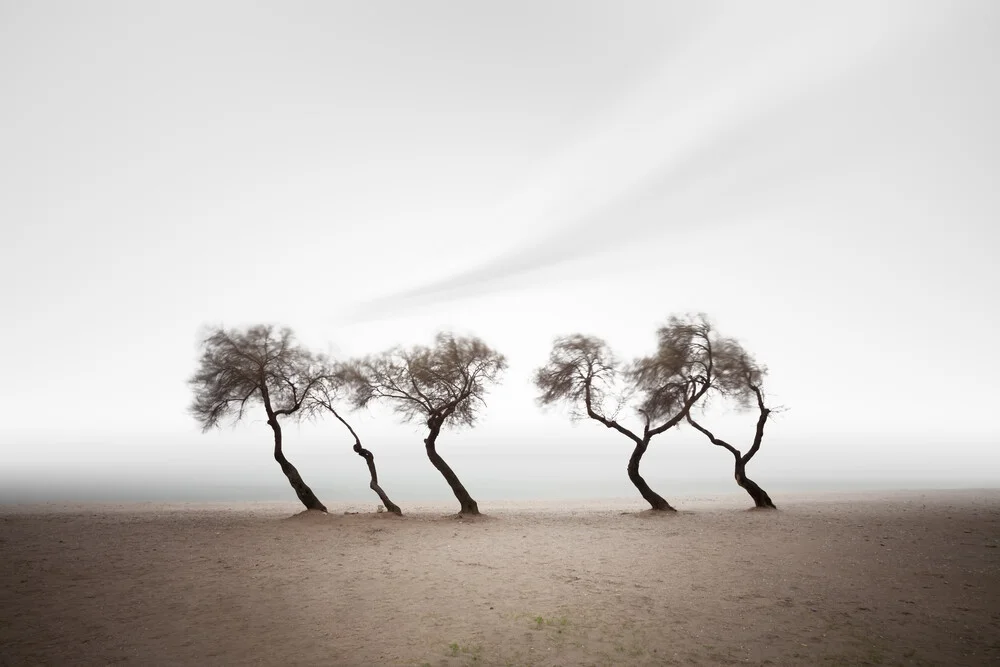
446	382
260	364
584	373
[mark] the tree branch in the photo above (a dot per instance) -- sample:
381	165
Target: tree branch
610	423
329	406
761	421
715	441
670	423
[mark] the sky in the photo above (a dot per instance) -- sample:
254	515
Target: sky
820	178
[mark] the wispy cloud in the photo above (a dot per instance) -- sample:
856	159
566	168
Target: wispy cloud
697	129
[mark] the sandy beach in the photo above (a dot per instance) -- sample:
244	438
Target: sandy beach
904	578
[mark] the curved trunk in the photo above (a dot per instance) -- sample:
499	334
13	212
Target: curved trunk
305	494
370	459
759	495
469	506
654	499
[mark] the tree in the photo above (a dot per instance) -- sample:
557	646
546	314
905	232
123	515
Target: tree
745	379
259	364
440	385
325	398
583	372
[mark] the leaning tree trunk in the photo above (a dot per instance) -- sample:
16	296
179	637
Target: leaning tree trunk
759	495
654	499
370	459
305	494
469	506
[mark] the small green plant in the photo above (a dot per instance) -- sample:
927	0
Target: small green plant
455	649
541	622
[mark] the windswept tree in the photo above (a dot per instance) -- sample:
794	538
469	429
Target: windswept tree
257	365
328	394
444	384
583	372
744	381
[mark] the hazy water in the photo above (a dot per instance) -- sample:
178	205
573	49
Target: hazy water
37	488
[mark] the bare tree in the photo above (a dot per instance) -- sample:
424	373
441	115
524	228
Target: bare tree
440	385
745	379
329	392
584	373
258	364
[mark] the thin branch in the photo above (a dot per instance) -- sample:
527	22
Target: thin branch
609	423
357	440
715	441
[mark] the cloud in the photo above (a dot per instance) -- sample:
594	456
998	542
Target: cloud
696	144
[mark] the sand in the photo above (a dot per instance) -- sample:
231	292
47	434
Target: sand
888	579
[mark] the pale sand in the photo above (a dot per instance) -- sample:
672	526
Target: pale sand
906	578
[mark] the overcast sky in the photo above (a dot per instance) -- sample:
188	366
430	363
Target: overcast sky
821	178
